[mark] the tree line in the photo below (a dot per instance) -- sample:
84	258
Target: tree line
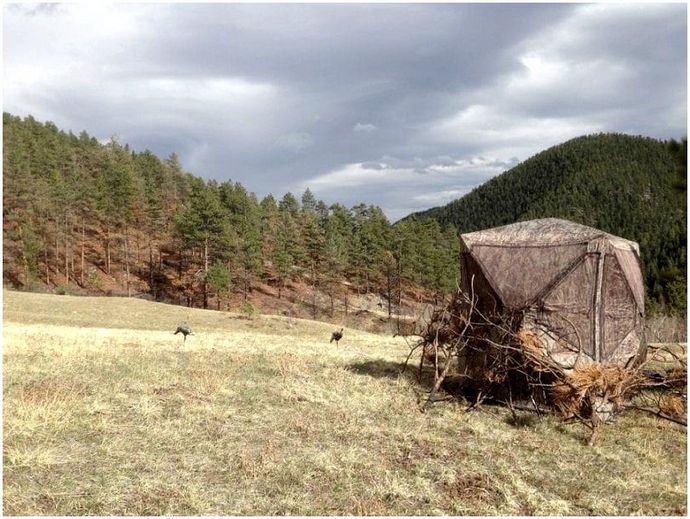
173	233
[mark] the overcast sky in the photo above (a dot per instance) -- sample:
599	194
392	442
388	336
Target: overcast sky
405	106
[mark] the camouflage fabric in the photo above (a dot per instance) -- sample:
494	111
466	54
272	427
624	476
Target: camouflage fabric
579	288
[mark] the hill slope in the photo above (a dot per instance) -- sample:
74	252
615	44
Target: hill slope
621	184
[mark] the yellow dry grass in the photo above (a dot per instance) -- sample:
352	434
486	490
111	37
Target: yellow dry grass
595	380
107	413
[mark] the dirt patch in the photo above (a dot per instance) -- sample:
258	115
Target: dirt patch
473	488
48	391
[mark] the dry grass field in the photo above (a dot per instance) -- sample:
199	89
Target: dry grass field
107	413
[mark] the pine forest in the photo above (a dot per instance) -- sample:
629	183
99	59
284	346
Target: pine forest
85	217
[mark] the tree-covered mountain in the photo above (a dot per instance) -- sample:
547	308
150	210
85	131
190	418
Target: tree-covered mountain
84	217
633	187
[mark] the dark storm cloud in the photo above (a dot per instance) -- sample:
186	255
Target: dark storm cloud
407	105
414	46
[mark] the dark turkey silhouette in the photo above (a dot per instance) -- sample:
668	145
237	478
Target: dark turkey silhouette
337	335
184	329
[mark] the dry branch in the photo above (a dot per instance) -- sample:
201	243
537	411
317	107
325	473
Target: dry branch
496	359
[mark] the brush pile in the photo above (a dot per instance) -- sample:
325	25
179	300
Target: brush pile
594	389
497	359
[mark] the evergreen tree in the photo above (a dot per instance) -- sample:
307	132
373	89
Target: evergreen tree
314	253
309	202
201	226
219	281
337	239
371	234
115	197
153	179
390	269
270	218
289	204
283	258
244	214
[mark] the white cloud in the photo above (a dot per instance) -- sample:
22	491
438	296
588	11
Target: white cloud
506	135
355	175
440	197
227	89
403	187
363	128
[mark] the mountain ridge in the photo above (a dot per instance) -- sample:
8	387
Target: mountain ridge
624	185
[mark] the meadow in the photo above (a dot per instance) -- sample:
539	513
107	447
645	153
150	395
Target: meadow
106	412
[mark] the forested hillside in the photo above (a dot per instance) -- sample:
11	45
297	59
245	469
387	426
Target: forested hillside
84	217
633	187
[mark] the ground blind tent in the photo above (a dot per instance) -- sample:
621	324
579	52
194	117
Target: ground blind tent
579	289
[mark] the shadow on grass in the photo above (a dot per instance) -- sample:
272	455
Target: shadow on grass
522	421
389	369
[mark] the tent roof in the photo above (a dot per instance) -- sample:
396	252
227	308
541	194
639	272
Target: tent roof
544	232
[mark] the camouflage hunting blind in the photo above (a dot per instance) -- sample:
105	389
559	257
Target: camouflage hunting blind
579	289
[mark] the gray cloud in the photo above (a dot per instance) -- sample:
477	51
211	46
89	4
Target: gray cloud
410	104
295	142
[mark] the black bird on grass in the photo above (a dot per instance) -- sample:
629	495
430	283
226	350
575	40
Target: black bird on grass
337	335
185	330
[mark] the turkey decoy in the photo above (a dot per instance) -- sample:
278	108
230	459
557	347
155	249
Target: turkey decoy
184	329
337	335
